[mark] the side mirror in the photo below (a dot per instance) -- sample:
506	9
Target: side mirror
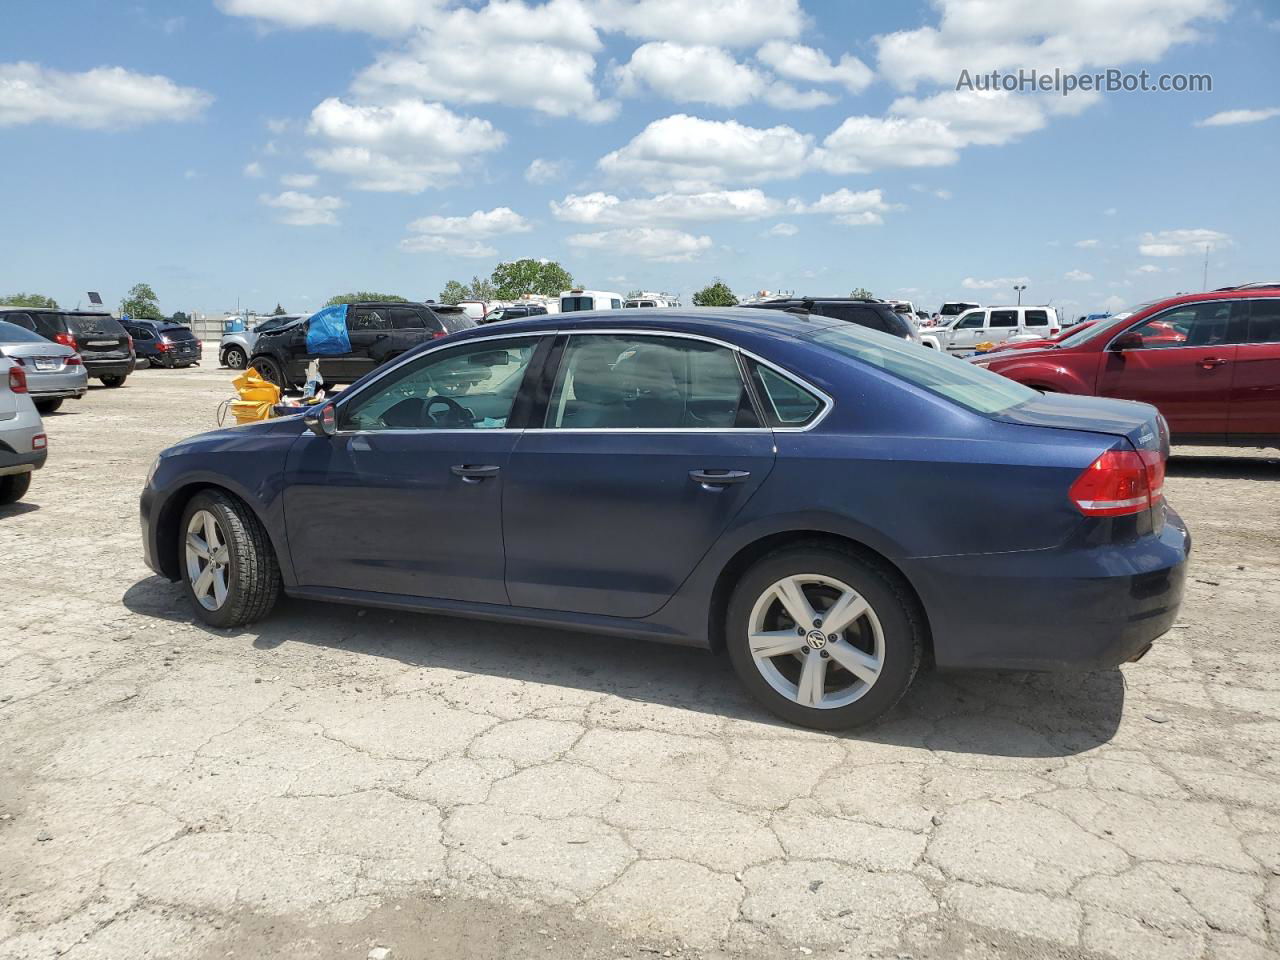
322	421
1129	341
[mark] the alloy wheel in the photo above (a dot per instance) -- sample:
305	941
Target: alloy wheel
208	560
816	641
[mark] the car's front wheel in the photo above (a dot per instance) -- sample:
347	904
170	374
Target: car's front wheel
234	358
14	487
823	638
228	564
269	370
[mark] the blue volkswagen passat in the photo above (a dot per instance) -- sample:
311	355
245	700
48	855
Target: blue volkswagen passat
764	483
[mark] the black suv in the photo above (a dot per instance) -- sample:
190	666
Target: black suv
163	343
103	344
517	312
378	332
876	314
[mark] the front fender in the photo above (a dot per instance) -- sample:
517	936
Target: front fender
1043	375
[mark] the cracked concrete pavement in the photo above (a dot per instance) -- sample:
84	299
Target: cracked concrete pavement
332	779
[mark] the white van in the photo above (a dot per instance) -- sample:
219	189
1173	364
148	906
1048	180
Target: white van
572	301
475	309
646	299
992	325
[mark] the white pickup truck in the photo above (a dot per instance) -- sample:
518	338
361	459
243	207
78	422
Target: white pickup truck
993	325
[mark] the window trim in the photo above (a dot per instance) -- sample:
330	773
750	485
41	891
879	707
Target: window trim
552	339
1250	342
1182	306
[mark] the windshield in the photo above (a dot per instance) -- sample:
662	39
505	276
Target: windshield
963	383
12	333
1109	324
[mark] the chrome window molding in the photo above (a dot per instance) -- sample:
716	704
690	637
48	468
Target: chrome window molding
1189	303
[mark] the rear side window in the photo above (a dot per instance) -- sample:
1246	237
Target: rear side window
1003	318
972	387
786	403
402	318
368	318
615	304
572	304
1264	321
1037	318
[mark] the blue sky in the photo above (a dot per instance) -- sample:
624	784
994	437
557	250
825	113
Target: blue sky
285	150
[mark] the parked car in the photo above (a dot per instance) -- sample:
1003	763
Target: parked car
379	332
1035	343
515	312
659	300
992	325
163	343
54	372
236	347
872	314
23	444
102	342
475	309
751	480
952	309
572	301
1209	361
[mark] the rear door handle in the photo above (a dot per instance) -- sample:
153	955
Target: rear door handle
1210	362
474	473
717	478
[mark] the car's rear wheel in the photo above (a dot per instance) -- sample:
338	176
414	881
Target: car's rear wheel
48	406
14	487
117	381
823	638
269	370
228	565
234	358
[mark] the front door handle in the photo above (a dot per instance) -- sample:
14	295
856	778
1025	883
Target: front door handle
474	473
1210	362
717	478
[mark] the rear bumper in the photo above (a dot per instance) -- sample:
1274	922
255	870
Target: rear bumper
1054	610
16	455
109	368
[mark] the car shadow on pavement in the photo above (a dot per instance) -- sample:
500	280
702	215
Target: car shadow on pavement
1001	714
17	509
1224	468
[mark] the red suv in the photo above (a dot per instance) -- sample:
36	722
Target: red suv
1209	361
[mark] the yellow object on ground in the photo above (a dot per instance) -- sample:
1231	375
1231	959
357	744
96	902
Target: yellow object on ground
257	397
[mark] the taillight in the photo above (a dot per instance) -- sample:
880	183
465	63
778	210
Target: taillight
73	360
39	442
130	339
1119	483
17	380
162	345
438	334
67	340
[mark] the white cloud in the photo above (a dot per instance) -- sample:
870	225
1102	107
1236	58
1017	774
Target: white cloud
782	230
545	171
729	23
428	243
607	209
982	36
253	169
507	52
190	174
98	99
690	154
1109	212
1148	268
1086	244
854	208
863	144
1181	243
299	181
798	62
786	97
686	74
370	16
303	209
646	243
1077	276
407	145
989	119
463	236
997	283
1230	118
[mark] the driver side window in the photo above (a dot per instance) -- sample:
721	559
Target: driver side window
971	321
472	387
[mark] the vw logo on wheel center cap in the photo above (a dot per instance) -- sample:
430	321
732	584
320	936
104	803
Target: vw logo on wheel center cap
816	639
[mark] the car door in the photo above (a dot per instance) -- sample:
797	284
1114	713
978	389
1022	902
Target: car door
406	497
1255	378
649	446
1001	325
1181	361
968	331
370	331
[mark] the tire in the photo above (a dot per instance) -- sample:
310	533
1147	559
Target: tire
234	358
116	381
270	370
246	579
884	643
48	406
14	487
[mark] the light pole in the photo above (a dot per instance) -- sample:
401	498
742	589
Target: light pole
1019	287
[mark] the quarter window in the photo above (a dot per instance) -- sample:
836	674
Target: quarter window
472	387
787	404
1004	318
1264	321
404	318
619	383
1037	318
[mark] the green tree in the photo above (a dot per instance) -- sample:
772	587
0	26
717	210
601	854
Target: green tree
28	300
481	288
362	296
717	294
453	293
142	303
180	317
635	294
513	280
279	311
862	293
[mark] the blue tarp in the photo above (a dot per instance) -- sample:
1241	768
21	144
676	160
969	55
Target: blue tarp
327	332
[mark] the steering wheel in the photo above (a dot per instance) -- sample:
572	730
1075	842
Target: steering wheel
456	416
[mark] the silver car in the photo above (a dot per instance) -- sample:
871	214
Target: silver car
235	349
22	440
53	372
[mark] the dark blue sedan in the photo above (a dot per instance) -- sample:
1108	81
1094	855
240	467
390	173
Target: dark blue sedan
831	505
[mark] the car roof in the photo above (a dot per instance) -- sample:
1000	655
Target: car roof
715	322
10	308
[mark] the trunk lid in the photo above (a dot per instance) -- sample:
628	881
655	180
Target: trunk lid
1139	423
99	336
